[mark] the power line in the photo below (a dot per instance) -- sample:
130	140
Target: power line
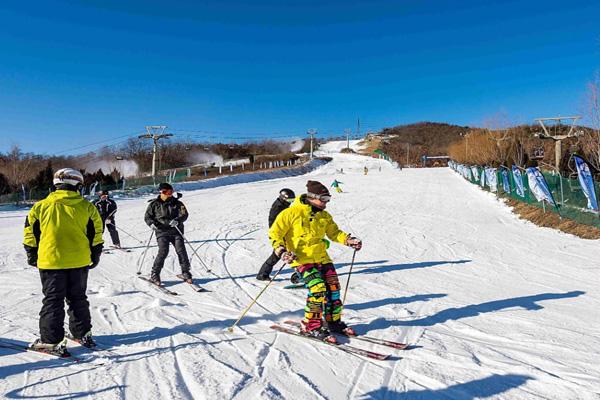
93	144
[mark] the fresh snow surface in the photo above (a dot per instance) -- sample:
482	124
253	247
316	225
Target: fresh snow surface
493	306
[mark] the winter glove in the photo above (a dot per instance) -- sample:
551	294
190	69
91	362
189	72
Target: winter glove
353	242
286	256
96	252
279	251
173	223
109	221
32	255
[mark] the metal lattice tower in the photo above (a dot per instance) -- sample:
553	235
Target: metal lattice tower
155	132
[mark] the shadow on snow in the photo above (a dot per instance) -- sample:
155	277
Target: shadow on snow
526	302
477	389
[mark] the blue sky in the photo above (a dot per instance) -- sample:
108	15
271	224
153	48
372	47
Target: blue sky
75	73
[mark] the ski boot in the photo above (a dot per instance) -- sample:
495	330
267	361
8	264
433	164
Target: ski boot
186	276
263	277
56	349
155	278
341	328
86	340
320	333
296	278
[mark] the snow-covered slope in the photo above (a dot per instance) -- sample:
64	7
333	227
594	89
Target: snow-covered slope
493	306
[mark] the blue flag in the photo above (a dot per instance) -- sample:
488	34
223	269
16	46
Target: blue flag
505	184
475	172
587	183
492	179
539	186
518	181
482	175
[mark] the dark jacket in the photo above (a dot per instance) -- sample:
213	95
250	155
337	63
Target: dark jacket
160	213
277	207
107	208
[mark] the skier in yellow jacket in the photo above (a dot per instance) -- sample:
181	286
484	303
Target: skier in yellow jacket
63	238
298	237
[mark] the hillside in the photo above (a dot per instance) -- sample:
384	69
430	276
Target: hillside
423	138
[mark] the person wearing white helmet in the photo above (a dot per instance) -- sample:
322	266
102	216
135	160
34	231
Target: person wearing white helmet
63	239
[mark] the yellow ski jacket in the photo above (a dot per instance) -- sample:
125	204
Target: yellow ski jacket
63	227
302	230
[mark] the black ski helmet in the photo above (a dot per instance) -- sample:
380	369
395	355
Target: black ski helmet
287	195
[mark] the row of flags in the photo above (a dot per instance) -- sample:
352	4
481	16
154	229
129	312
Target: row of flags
537	183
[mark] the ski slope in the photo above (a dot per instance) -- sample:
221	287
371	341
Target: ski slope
493	306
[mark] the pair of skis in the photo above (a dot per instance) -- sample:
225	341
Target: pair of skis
195	287
65	355
342	346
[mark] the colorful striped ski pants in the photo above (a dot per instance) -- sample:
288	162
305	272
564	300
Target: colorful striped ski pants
323	294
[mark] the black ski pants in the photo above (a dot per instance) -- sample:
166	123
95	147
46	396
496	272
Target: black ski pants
268	265
114	235
163	252
58	286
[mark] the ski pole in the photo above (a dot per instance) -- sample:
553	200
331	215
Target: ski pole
124	231
230	329
349	274
139	271
194	251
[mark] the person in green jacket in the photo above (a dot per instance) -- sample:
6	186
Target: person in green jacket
336	184
63	239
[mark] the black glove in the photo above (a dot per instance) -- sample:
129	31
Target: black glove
96	252
32	254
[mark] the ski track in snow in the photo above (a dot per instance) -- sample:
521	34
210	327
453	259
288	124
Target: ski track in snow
493	306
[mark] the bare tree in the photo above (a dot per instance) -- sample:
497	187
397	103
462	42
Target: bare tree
17	166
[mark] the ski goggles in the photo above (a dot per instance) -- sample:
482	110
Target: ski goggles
325	198
168	192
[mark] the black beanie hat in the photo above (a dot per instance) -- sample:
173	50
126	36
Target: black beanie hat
165	186
317	188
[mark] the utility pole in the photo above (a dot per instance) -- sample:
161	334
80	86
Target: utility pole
407	152
348	132
155	132
312	133
358	127
558	138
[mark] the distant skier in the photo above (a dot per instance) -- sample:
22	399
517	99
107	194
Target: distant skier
107	208
63	238
365	170
166	216
336	184
298	237
283	201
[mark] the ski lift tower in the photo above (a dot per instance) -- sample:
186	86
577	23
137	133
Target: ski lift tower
557	137
155	132
311	133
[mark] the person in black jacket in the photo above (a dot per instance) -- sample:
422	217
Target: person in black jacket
166	216
286	197
107	208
